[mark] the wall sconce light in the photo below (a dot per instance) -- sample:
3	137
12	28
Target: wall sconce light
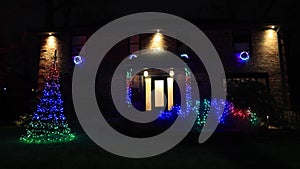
171	73
51	33
146	73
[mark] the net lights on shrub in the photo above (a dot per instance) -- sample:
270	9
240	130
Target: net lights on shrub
202	108
170	114
230	112
176	110
214	104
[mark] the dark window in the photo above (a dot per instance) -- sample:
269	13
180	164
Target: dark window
241	41
134	43
254	76
77	43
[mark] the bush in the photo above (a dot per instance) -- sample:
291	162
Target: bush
257	96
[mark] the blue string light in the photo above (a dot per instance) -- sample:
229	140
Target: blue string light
132	56
184	55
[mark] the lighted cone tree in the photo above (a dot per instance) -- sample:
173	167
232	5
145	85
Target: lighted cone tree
49	124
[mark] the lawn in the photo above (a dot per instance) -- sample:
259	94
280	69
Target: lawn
228	150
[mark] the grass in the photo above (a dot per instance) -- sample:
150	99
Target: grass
259	149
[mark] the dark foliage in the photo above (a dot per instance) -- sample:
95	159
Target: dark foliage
249	93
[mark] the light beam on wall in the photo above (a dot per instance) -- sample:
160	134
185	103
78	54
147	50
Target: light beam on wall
271	33
157	42
51	42
184	55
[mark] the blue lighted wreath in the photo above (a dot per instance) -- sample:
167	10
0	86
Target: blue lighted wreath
77	59
244	55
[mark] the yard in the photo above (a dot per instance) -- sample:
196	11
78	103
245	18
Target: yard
255	149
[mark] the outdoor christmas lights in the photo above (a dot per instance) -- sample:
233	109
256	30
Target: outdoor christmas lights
77	60
170	114
184	55
244	56
132	56
128	88
202	108
48	123
188	90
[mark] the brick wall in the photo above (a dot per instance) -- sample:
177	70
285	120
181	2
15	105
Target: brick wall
264	56
266	59
61	43
48	47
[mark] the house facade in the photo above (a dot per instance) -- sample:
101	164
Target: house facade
248	52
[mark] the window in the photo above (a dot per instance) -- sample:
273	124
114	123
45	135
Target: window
254	76
241	44
77	43
134	44
241	41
